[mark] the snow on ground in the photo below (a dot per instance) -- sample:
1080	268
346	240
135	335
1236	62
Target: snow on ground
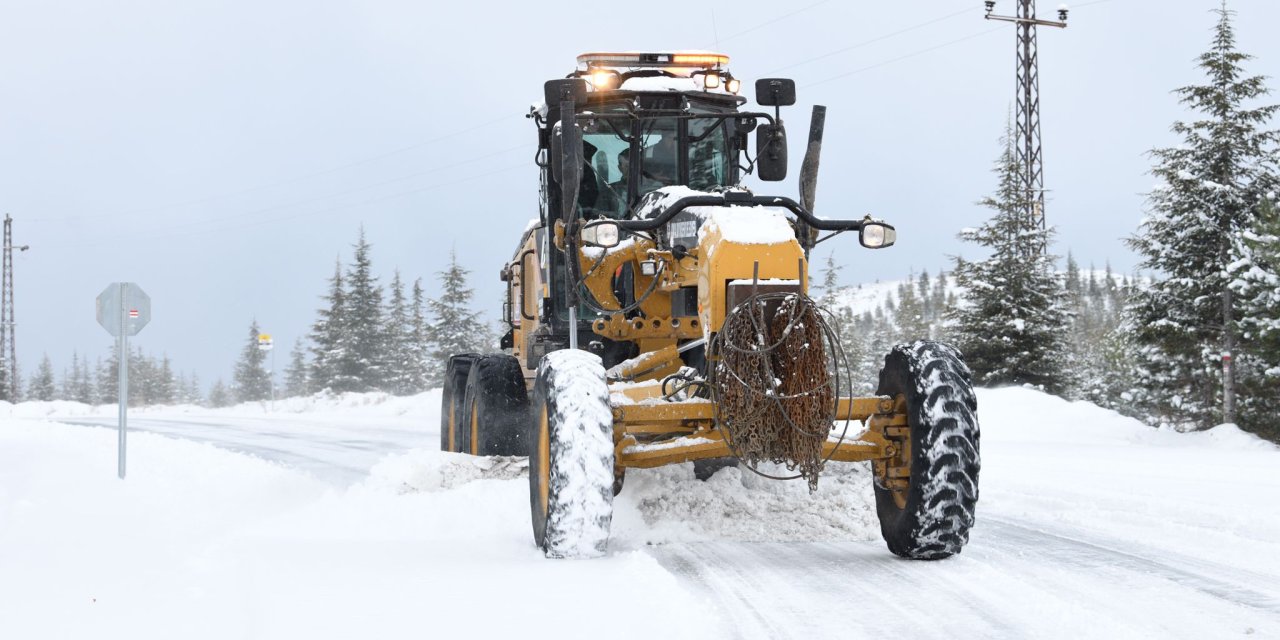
1075	468
199	542
1089	525
336	438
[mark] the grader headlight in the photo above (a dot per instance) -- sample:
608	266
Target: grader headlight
603	80
601	234
877	235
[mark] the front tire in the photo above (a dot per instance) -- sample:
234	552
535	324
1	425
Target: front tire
931	519
571	465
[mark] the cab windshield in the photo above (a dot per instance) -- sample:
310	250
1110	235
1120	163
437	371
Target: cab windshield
625	158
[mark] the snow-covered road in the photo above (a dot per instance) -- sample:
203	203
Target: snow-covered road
1089	526
341	454
1012	582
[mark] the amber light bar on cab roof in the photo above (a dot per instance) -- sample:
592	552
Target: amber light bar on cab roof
656	59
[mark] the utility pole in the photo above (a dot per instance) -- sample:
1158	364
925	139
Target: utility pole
8	341
1028	152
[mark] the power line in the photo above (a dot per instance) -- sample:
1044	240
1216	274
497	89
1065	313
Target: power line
301	177
771	21
904	57
183	231
324	197
871	41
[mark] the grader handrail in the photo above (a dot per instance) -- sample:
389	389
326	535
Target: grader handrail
733	198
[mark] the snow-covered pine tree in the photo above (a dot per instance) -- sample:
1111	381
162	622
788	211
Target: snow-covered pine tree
909	317
852	341
1012	321
6	385
1211	187
830	281
876	338
942	301
142	379
42	385
455	328
418	348
296	382
84	385
397	334
71	377
327	344
104	385
1258	285
218	395
17	386
923	289
165	386
193	394
250	381
361	365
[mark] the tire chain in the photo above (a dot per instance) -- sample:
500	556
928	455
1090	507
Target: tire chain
773	384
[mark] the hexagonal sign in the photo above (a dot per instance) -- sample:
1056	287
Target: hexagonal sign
123	304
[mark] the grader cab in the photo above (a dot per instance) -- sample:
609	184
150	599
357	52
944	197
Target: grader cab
658	313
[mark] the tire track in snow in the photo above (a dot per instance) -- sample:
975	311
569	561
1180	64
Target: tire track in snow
1011	582
1189	572
813	590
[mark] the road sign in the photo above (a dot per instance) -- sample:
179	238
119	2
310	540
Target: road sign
264	341
123	304
123	310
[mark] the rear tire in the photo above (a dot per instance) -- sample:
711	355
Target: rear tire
571	466
451	397
939	504
497	408
704	469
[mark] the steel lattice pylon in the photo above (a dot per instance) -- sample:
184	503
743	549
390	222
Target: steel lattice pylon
1027	147
8	347
1030	154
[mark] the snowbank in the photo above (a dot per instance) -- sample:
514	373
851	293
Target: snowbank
371	404
204	543
1075	467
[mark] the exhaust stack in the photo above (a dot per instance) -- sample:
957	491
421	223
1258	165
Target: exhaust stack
809	171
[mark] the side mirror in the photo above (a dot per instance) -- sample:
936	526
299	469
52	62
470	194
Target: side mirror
771	152
569	158
775	92
557	91
602	234
877	235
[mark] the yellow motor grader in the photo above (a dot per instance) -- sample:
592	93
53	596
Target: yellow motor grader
658	313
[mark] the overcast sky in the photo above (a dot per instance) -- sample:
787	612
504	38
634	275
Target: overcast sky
224	154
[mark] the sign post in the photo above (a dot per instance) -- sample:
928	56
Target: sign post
123	310
265	343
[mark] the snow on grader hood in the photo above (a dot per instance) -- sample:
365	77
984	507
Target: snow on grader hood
658	313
